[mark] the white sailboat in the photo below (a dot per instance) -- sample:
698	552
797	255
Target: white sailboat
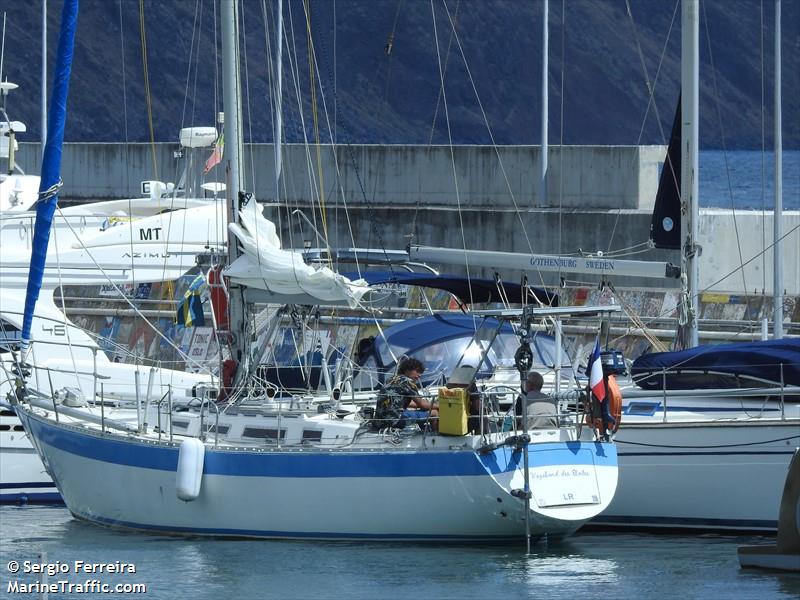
260	472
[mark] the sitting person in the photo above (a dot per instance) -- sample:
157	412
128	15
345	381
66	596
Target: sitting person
400	400
540	407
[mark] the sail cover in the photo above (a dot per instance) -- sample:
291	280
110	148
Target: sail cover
51	163
721	366
665	226
467	290
264	265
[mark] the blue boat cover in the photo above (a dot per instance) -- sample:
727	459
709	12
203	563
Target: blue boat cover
468	291
721	366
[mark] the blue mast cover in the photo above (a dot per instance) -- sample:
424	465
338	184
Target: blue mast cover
51	163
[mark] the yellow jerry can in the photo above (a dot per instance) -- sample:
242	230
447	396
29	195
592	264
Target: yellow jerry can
453	411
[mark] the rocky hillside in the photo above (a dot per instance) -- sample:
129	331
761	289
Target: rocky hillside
377	75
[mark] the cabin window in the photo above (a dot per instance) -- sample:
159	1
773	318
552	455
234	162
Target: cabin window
5	427
18	428
263	433
312	435
10	336
642	409
222	429
6	413
180	424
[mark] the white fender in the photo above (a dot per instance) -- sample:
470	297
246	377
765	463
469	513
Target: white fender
190	469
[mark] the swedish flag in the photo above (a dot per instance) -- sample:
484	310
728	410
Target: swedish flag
190	311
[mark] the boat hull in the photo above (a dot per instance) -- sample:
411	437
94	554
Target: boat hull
726	475
441	495
24	479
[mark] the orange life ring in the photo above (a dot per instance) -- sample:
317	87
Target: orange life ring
593	408
614	399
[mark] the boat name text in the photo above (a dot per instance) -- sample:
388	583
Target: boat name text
572	263
151	233
574	472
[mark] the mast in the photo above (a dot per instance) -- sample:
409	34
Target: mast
279	102
777	268
545	52
44	74
231	94
690	101
51	165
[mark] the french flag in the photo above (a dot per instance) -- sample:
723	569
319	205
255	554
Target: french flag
595	371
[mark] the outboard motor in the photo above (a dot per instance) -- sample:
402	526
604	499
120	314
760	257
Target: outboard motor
613	362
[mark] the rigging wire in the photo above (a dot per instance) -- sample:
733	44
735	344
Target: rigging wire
450	142
495	147
247	101
413	232
637	321
374	229
148	98
294	68
312	84
763	151
561	134
189	64
650	93
746	327
387	50
724	148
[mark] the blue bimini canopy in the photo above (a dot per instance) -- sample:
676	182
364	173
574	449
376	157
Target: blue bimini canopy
743	364
440	341
468	291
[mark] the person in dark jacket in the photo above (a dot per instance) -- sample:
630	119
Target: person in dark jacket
400	401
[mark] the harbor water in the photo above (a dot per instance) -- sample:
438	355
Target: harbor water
587	565
745	179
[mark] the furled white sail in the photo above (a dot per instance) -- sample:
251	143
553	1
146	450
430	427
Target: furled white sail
264	265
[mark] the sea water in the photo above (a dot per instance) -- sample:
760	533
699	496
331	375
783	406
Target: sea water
587	565
745	179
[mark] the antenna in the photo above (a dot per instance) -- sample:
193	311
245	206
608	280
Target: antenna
3	46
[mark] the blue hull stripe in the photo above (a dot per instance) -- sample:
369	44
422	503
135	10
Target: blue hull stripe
27	484
33	498
649	521
721	409
693	453
311	464
291	534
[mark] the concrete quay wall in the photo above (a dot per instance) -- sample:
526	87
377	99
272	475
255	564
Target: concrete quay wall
599	198
398	175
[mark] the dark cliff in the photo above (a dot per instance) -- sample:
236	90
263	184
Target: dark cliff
598	55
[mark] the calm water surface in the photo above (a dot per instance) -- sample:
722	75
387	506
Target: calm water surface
589	565
744	179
